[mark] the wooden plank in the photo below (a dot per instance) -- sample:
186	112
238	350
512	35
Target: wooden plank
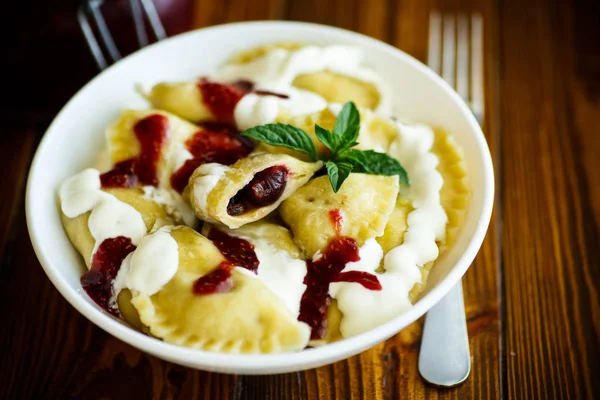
551	114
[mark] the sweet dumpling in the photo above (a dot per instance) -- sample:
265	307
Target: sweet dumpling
278	260
359	210
194	310
338	88
198	101
137	129
159	151
248	190
151	214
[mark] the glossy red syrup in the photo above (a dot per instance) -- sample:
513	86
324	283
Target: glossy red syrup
238	253
121	175
321	273
337	219
214	142
248	86
98	281
369	281
216	281
151	132
221	98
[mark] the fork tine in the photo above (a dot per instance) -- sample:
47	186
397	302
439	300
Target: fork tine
448	50
157	27
477	66
94	7
462	57
138	20
93	44
435	34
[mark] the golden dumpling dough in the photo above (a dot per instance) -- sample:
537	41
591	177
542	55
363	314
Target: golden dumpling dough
153	214
212	186
393	235
364	203
376	133
128	311
181	98
248	318
455	193
337	88
257	52
123	143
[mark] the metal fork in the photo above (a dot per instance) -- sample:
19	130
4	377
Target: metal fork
455	52
91	8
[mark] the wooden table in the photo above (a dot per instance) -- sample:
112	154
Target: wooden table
531	296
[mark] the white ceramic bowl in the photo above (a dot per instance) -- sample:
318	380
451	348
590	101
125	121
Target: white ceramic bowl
76	134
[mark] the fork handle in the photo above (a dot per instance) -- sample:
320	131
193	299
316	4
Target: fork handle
445	359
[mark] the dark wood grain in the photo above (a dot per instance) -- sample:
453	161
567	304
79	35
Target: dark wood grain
538	268
551	119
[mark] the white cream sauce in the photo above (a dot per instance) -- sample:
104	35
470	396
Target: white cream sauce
207	177
151	265
109	218
365	309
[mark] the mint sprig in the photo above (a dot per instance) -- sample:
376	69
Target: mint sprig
343	159
337	172
283	135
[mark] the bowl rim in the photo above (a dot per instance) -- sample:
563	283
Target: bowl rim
278	362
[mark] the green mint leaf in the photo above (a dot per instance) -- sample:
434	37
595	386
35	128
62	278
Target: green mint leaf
327	138
337	172
349	137
283	135
355	157
376	163
348	118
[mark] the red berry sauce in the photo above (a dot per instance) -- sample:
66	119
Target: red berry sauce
321	273
106	262
238	253
337	219
248	86
216	281
221	98
151	132
214	142
265	188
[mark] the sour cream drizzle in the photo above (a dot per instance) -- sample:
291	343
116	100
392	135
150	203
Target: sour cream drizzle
276	71
208	175
365	309
151	266
109	216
